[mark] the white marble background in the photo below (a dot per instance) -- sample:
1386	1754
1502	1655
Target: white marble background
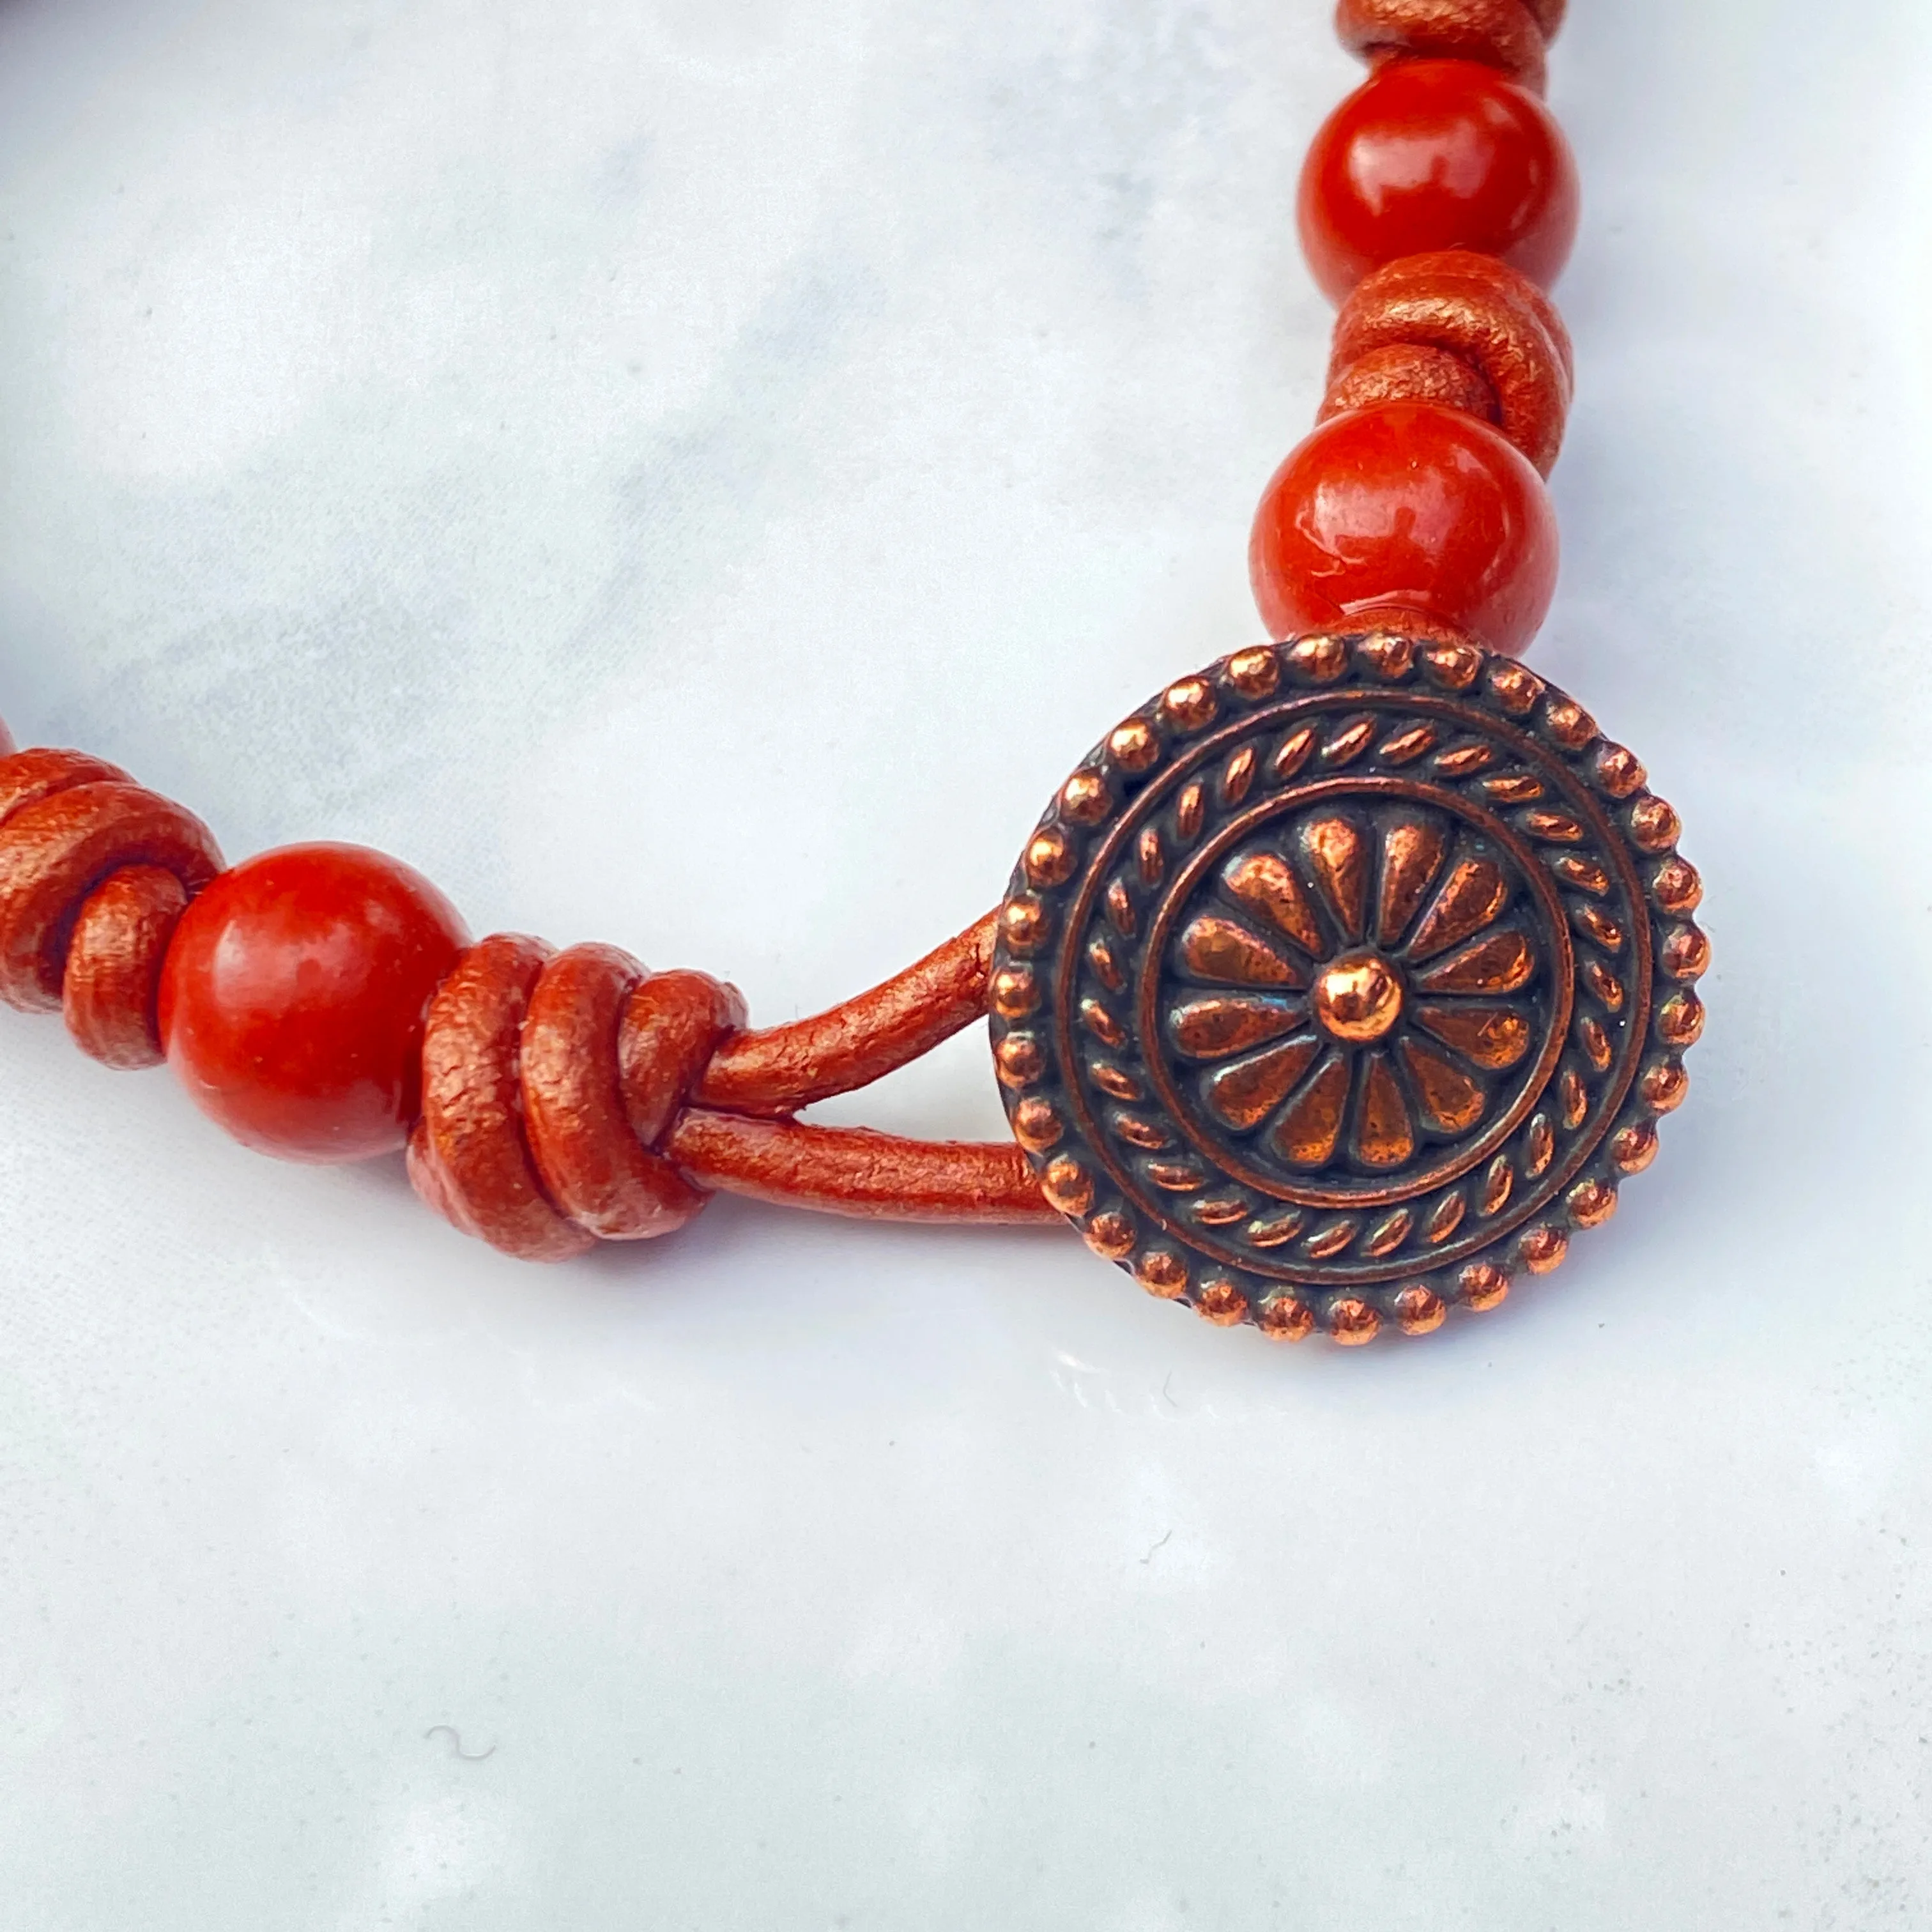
696	473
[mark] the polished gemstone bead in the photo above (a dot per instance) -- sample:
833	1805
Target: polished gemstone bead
292	998
1407	505
1437	154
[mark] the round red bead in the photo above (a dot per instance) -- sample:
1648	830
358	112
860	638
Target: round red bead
1407	504
292	998
1437	154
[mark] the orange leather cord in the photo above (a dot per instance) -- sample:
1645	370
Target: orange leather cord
577	1095
856	1171
779	1069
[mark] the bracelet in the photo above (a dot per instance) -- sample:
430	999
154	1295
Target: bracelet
1336	987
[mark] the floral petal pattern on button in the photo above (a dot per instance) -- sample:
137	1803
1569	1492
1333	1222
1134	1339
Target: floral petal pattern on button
1310	1130
1265	884
1212	1029
1475	893
1220	950
1496	1038
1412	854
1244	1094
1503	963
1338	856
1384	1134
1451	1102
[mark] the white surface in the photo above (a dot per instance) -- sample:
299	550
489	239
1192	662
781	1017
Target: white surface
697	475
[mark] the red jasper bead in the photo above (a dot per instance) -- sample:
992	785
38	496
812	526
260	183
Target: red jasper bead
292	998
1437	154
1409	505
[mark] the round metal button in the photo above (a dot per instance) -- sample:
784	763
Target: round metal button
1343	981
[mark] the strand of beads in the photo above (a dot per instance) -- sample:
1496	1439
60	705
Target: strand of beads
1437	205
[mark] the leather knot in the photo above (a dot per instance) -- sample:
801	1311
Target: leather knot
551	1081
95	874
1512	35
1459	328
